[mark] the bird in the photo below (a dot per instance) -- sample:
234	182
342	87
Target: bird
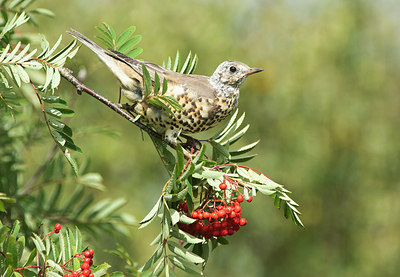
206	100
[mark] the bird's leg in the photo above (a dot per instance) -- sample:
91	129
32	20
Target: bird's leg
128	108
191	143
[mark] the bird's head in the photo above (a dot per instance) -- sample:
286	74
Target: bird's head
232	73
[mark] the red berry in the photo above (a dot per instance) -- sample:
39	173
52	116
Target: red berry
206	215
91	275
239	198
230	231
236	227
237	208
86	272
250	198
200	215
232	214
242	222
221	213
75	273
214	215
216	225
224	232
223	186
91	252
85	266
215	233
195	214
228	210
68	275
57	228
86	254
224	224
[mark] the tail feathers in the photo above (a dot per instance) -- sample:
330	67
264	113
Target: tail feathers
89	43
120	68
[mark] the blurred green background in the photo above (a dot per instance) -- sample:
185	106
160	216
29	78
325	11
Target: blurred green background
326	109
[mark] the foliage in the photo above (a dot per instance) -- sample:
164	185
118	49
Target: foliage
195	175
54	192
124	43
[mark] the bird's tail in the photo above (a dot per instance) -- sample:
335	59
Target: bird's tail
125	73
100	52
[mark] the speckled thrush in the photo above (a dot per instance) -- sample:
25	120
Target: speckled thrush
205	100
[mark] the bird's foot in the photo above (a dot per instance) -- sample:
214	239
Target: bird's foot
191	143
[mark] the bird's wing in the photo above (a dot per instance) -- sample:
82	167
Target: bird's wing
198	85
195	85
137	65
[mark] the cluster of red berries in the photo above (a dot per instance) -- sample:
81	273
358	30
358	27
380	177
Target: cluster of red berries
224	219
85	266
57	228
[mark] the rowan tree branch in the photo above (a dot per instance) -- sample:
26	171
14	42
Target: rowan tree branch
67	74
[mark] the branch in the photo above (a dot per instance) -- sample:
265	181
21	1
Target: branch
67	74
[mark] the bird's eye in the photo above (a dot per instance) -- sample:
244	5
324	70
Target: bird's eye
232	69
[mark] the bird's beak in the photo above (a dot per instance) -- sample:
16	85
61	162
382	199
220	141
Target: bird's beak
253	70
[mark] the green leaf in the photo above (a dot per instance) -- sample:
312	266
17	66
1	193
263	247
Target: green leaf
242	159
159	268
186	65
125	35
128	45
22	74
106	35
31	257
193	65
146	81
200	154
13	52
150	216
43	11
181	235
232	129
184	265
185	219
177	62
180	161
56	100
172	101
236	136
38	243
134	52
156	83
105	42
177	196
155	101
100	270
226	126
59	126
71	161
110	31
220	149
165	86
59	112
184	253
